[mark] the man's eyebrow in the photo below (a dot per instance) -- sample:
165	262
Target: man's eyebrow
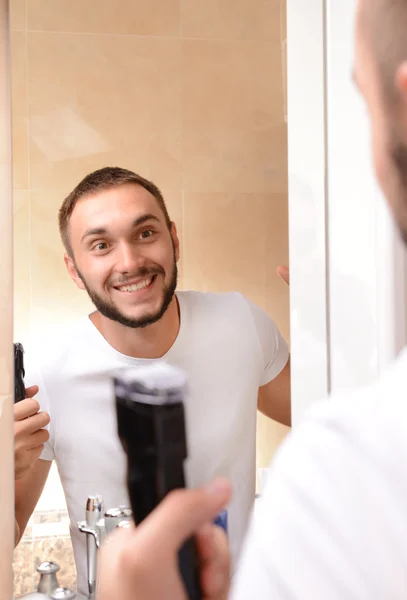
94	231
136	223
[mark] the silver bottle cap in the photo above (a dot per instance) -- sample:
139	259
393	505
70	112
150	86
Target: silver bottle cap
114	515
121	512
124	524
47	568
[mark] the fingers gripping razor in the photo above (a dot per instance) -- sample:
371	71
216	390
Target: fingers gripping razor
151	427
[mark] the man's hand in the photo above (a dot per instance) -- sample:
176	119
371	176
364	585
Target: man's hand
29	433
284	273
142	562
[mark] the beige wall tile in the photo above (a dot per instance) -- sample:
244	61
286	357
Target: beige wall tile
235	242
155	17
18	41
277	292
236	161
22	265
270	434
19	93
54	297
225	88
283	19
21	174
118	103
231	19
17	14
173	200
164	154
225	243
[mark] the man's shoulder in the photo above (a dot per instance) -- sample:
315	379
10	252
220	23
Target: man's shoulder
213	301
365	426
374	403
336	491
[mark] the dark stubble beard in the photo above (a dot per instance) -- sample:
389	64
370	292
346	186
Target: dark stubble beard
110	311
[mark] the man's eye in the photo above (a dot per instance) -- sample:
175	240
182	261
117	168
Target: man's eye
101	246
146	234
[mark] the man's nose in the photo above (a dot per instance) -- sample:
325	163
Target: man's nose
128	259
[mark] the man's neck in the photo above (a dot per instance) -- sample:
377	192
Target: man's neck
152	341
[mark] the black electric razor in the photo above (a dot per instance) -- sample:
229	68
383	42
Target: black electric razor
19	373
151	427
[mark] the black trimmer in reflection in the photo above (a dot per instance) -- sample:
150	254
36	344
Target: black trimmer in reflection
19	373
151	427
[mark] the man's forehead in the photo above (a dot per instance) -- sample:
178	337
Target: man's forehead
124	198
100	211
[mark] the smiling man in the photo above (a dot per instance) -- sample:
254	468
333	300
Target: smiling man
123	249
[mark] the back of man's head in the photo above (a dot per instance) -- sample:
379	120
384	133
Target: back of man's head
381	74
385	22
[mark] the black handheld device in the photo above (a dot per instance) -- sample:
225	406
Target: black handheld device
151	427
19	373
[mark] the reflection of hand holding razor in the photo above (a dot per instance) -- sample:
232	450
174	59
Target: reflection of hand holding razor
29	423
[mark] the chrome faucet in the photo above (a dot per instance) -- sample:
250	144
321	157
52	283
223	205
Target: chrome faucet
97	527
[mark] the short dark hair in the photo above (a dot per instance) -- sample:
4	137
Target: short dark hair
104	179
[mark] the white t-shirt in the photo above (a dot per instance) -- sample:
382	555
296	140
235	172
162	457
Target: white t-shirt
332	524
227	346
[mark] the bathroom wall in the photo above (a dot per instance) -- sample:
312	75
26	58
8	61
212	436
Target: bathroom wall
188	93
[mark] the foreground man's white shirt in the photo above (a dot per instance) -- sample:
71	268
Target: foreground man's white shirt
332	523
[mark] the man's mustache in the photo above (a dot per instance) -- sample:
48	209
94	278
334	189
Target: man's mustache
142	272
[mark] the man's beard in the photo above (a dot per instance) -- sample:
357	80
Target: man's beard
110	311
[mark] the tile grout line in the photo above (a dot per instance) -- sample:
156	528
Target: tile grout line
175	38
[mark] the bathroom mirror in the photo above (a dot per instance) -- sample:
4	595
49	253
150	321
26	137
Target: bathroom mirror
191	95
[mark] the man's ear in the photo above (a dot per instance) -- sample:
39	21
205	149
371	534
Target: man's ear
73	273
401	81
175	240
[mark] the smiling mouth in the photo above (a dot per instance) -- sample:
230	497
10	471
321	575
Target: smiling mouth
137	287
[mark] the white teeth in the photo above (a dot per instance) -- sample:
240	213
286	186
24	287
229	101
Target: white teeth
135	287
